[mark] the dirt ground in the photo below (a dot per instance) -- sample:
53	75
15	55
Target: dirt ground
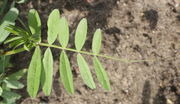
132	29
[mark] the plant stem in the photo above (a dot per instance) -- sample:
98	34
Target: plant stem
13	52
76	51
92	54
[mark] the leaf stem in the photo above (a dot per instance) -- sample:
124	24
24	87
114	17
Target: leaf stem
12	52
76	51
92	54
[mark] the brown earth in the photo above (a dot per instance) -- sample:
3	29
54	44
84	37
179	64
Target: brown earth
132	29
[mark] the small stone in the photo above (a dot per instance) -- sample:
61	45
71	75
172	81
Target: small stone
169	101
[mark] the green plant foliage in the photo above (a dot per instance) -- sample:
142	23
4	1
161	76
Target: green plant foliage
53	23
17	75
85	72
48	71
12	39
13	84
1	91
41	70
63	32
34	23
96	45
4	62
9	82
81	32
10	97
66	73
8	19
21	1
22	38
101	74
34	73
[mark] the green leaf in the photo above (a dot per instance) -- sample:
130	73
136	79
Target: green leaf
34	73
8	19
10	97
80	36
13	84
1	91
101	74
15	30
4	62
53	25
17	75
34	23
11	30
85	72
16	43
66	73
48	71
8	40
96	45
21	1
63	32
26	47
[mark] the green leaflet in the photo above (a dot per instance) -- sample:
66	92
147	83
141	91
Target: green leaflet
1	91
34	73
66	73
101	74
21	1
53	25
17	75
16	43
63	32
85	72
11	39
96	45
13	84
48	72
4	62
15	30
8	19
80	36
34	23
10	97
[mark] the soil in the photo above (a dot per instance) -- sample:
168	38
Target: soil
132	29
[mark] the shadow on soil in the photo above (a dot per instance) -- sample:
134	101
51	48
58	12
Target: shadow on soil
160	97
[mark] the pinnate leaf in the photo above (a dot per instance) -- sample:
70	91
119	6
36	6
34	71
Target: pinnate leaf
96	45
34	73
80	36
66	73
34	23
63	32
101	73
85	72
53	25
48	72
